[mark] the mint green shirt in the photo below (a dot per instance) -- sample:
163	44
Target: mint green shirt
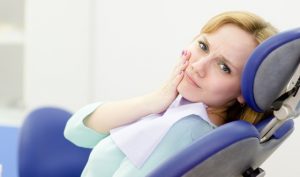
106	159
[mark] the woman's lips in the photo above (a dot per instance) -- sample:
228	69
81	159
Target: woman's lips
190	79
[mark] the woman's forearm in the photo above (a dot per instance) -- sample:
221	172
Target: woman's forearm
117	113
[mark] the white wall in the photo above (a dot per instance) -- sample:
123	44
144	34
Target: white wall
11	52
137	43
57	53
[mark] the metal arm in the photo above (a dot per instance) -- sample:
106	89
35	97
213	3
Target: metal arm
289	108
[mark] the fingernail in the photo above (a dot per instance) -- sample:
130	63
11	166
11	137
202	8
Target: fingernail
187	52
183	52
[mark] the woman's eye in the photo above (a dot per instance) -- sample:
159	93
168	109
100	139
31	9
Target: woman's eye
203	46
224	67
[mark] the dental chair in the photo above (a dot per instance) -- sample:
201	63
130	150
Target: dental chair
43	149
270	81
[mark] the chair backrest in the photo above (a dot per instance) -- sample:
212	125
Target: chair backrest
228	152
43	150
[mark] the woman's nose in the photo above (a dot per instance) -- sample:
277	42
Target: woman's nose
200	66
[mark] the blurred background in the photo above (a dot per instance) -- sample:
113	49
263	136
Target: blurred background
68	53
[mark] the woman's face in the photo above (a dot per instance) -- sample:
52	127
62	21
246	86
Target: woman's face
214	72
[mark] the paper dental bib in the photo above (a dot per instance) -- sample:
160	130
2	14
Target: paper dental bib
139	139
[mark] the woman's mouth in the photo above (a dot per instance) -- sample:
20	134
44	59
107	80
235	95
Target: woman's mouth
190	79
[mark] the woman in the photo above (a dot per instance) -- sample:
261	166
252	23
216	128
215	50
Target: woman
206	82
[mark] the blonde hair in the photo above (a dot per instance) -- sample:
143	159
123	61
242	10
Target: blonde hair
261	30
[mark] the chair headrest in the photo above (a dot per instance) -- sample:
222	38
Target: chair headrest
270	68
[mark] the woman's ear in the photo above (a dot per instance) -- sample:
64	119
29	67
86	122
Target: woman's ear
241	99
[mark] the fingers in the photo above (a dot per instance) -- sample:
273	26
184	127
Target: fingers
185	56
184	62
177	79
169	88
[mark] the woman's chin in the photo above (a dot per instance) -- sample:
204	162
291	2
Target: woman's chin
186	93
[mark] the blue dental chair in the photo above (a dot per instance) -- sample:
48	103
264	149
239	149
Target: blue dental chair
43	149
270	81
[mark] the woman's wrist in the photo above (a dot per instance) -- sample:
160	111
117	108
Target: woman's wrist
158	101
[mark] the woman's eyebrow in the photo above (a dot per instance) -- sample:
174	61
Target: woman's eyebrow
225	60
203	37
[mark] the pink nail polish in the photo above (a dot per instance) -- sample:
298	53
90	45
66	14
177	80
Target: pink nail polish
183	52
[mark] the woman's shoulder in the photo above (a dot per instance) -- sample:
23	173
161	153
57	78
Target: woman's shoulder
193	126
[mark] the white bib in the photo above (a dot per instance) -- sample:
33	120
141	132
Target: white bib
139	139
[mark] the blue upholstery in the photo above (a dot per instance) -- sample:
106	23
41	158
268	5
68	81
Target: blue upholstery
8	150
43	150
209	145
215	142
281	132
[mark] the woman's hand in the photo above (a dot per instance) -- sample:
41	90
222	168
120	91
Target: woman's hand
163	97
117	113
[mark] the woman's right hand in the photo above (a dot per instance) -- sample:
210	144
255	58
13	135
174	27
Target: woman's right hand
163	97
117	113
